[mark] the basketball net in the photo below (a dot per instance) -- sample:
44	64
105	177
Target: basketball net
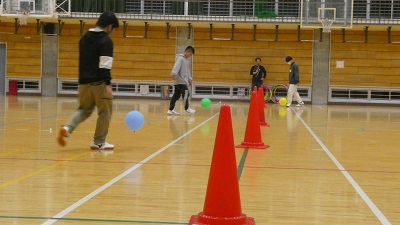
326	25
23	17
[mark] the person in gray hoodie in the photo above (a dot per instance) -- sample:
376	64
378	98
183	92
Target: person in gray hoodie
182	77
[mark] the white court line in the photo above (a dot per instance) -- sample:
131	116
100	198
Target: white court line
119	177
50	130
359	190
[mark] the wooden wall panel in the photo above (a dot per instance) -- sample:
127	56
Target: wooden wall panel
23	50
375	63
230	61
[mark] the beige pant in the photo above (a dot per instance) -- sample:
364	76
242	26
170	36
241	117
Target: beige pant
91	96
292	91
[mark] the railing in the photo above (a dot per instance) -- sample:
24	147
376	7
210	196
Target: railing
364	11
257	11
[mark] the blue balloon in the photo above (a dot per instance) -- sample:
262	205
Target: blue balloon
134	120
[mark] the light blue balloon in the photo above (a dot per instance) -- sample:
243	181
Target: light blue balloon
134	120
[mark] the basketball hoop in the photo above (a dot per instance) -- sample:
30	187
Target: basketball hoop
327	24
23	17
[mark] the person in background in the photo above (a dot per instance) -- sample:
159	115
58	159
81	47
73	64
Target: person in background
94	90
182	77
294	79
259	74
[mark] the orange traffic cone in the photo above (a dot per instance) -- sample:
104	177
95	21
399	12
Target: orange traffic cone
222	204
261	105
252	137
262	87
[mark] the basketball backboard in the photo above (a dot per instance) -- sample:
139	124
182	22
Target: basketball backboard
35	8
322	13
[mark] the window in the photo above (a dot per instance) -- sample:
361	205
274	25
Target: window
289	8
396	10
133	6
360	9
381	9
158	7
243	8
218	8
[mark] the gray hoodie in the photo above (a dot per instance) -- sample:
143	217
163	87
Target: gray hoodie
181	70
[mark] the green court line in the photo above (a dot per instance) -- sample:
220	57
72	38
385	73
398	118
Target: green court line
91	220
242	161
240	170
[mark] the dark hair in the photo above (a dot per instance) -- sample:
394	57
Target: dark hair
107	18
258	58
288	58
190	49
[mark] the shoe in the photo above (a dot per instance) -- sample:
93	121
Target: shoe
102	146
189	110
172	112
300	104
62	134
287	106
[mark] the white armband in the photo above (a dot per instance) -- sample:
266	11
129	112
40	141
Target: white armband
105	62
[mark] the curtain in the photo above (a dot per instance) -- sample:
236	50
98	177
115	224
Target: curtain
98	6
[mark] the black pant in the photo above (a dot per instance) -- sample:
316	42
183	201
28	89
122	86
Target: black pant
180	90
256	83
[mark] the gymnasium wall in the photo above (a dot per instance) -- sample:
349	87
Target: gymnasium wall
23	50
224	61
227	61
230	60
376	63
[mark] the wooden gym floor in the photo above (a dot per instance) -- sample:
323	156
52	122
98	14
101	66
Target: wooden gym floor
335	164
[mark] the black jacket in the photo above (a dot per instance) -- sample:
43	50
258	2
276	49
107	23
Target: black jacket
262	73
94	44
294	77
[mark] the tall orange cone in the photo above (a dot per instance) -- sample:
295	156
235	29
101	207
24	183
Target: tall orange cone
262	87
252	137
222	204
261	105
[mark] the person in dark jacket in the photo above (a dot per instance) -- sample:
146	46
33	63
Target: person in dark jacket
95	90
259	74
294	79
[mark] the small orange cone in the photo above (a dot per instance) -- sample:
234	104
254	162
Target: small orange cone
222	204
252	137
261	105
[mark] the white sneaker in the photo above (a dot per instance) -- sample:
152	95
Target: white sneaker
62	134
300	104
189	110
172	112
104	145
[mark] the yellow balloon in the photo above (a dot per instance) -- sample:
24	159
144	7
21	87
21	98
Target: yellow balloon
282	101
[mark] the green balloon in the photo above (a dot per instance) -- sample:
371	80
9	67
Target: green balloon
205	102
